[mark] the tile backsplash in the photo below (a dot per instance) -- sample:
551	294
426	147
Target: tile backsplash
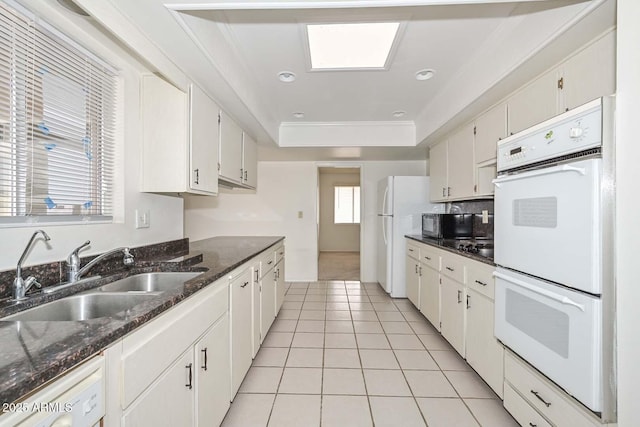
471	206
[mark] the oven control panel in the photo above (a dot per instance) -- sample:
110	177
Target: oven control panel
571	132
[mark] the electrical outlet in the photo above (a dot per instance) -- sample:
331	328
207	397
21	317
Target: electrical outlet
143	219
485	217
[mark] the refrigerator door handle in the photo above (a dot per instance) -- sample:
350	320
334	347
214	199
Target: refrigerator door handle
384	201
384	231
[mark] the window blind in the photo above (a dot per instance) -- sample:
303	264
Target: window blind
57	126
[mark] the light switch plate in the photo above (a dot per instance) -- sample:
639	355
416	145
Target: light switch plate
485	217
143	218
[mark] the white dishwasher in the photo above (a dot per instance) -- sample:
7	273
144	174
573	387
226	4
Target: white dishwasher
75	399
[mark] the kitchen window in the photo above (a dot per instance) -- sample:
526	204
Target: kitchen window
57	125
346	208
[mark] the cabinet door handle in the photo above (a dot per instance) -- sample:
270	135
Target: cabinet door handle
443	192
467	301
416	268
204	350
241	173
244	285
448	191
270	262
257	275
420	271
536	394
459	297
450	269
245	175
533	425
481	283
189	385
428	259
281	253
410	250
197	171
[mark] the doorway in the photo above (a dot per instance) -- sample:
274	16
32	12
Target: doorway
339	223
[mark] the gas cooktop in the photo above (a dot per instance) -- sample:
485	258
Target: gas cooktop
480	247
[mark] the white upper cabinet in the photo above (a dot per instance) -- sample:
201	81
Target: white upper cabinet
230	169
460	164
203	141
535	103
180	147
238	155
590	73
249	161
438	172
490	127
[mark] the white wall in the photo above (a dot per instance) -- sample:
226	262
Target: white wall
336	237
284	188
627	206
166	212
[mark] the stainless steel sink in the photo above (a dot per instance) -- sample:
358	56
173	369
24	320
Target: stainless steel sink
82	307
149	282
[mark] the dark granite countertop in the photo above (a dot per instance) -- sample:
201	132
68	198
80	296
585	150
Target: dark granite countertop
34	352
440	245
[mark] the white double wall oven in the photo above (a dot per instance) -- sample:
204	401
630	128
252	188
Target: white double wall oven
553	225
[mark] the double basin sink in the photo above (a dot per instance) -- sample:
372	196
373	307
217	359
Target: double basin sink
107	300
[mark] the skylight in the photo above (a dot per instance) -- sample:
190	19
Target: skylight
345	46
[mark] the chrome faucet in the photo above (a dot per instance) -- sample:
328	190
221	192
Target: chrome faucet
20	285
73	261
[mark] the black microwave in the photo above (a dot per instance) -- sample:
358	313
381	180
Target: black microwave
447	226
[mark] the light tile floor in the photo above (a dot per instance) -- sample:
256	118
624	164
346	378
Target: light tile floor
345	354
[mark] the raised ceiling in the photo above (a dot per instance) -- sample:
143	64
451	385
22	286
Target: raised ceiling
235	50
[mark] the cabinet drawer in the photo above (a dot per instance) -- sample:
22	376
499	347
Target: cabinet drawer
546	397
279	253
453	267
524	414
149	351
413	250
267	261
430	257
480	278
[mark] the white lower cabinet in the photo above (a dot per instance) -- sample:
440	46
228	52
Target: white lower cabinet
453	313
280	286
184	367
211	373
483	352
169	401
413	281
241	328
430	295
268	304
256	330
530	396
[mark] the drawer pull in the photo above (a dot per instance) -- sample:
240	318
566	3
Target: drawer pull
245	284
536	394
481	283
270	262
204	350
450	269
281	253
190	384
533	425
429	259
410	250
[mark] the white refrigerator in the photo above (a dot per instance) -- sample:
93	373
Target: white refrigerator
401	202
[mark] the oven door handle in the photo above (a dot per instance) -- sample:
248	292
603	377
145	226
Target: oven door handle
552	295
532	174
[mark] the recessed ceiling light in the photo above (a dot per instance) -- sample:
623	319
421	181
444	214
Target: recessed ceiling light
286	76
298	115
399	113
344	46
425	74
